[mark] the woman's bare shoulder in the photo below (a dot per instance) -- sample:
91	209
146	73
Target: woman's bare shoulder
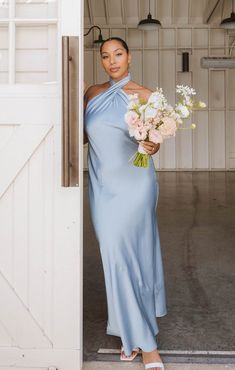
95	90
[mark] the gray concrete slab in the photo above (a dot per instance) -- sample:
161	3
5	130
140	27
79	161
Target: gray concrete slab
95	365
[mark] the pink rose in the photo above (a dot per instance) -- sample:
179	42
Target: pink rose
140	134
168	128
131	117
155	136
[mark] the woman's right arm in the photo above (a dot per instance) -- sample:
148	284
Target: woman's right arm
86	97
85	138
91	91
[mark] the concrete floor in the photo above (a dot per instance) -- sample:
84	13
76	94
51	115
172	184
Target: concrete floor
117	366
196	217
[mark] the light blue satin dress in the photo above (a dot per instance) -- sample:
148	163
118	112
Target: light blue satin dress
123	200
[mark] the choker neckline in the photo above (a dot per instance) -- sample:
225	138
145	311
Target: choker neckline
126	79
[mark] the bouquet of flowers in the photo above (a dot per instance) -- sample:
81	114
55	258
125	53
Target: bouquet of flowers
155	120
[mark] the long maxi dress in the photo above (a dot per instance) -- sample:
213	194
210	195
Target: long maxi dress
123	200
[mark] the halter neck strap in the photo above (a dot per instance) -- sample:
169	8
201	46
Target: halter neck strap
102	99
121	82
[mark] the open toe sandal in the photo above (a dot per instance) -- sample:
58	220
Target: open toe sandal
134	353
152	365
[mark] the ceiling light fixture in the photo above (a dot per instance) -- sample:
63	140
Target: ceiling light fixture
149	24
229	23
100	37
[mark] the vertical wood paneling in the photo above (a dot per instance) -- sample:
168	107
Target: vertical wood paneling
150	40
52	71
131	8
184	37
6	245
35	233
118	32
48	184
231	142
201	140
197	9
3	54
217	142
200	76
150	58
231	88
115	13
101	75
200	38
167	75
184	144
180	11
167	82
89	70
134	38
217	37
164	11
184	154
136	66
98	10
217	89
167	38
20	233
5	338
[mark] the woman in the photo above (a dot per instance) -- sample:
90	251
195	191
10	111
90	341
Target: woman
123	201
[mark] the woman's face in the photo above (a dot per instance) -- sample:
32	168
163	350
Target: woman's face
115	59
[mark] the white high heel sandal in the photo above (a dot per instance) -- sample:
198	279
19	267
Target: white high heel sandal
152	365
135	352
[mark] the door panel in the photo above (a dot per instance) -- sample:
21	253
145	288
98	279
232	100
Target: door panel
40	233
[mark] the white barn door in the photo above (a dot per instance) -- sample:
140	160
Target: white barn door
40	220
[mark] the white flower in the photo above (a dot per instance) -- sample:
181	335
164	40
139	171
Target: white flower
201	104
183	110
185	90
133	104
142	108
140	134
157	99
150	112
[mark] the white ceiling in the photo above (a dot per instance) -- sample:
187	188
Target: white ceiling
169	12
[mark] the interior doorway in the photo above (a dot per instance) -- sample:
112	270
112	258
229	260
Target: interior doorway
196	200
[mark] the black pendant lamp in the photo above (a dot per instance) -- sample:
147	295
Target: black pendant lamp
149	23
229	23
100	37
